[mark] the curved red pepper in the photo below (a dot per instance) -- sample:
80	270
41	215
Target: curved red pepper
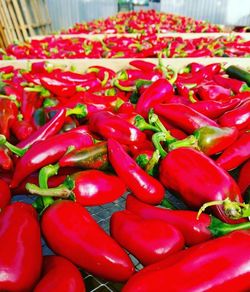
143	186
91	157
213	92
5	195
109	125
45	131
46	152
20	248
212	140
204	181
59	274
217	265
22	129
71	232
194	230
235	85
149	240
156	93
244	177
183	117
214	108
238	117
6	162
89	188
8	114
236	154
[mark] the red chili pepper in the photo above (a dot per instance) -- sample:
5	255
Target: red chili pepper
143	65
47	130
89	187
91	157
71	232
5	195
149	240
40	67
183	117
143	186
46	152
244	178
233	84
6	162
22	129
214	108
213	92
75	78
7	69
212	140
109	125
236	154
216	265
204	182
57	87
53	269
8	114
238	117
20	248
30	102
156	93
194	230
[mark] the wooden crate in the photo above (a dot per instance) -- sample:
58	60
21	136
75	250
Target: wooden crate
20	19
118	64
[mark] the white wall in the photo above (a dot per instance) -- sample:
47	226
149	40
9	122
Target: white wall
216	11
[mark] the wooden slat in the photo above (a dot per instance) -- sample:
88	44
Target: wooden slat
27	16
19	15
14	20
7	23
119	64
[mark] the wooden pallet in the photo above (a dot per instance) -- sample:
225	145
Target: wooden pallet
20	19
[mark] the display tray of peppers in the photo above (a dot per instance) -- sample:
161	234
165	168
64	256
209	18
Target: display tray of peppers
136	179
140	46
144	21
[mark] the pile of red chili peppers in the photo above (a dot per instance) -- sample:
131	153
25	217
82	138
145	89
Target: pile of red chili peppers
142	46
142	21
77	140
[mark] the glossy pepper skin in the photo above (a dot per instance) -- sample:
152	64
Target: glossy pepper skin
204	180
89	187
71	232
156	93
214	108
59	274
92	157
194	230
244	177
112	126
20	248
221	264
236	154
183	117
143	186
47	130
46	152
149	240
5	195
238	117
212	140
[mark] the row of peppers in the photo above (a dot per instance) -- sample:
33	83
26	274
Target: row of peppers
142	46
76	140
143	21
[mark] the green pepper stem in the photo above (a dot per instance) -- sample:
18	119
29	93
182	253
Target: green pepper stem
45	173
14	149
142	125
154	119
157	138
234	210
80	111
59	192
219	228
153	162
123	88
190	142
